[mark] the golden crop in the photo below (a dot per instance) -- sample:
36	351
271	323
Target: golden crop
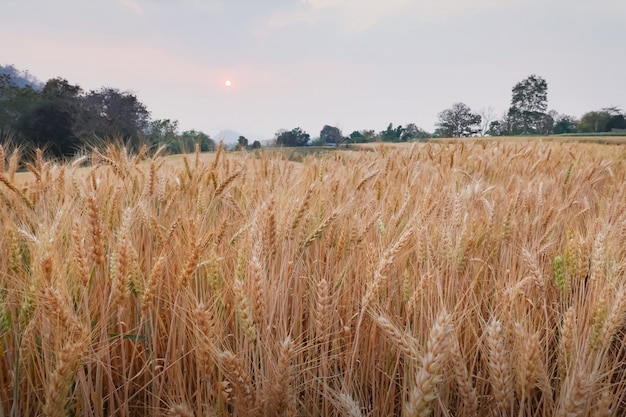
468	278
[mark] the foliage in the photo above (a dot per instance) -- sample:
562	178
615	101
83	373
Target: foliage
565	124
391	134
109	112
363	136
458	121
191	138
293	137
529	103
331	134
413	132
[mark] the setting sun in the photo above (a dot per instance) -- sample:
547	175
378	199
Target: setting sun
228	83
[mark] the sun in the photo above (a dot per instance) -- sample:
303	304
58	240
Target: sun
228	83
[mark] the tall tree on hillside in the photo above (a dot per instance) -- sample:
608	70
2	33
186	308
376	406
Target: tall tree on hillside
529	103
458	121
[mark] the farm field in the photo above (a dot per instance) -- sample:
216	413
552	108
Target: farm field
446	279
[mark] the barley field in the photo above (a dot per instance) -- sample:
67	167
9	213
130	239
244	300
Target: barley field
439	279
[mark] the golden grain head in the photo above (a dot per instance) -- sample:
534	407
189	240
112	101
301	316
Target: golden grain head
425	279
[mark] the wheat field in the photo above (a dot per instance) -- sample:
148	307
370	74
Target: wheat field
441	279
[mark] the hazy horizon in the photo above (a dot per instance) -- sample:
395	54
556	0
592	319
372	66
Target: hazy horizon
306	63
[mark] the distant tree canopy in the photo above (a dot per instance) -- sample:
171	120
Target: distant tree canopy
605	120
62	119
529	102
458	121
331	134
293	137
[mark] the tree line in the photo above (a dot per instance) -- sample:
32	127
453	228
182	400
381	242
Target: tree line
63	119
527	115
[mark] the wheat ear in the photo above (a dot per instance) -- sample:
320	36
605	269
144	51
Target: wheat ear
429	374
58	384
499	367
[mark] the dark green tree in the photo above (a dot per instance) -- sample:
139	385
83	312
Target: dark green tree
110	113
330	134
193	137
392	134
529	103
49	125
51	121
15	102
594	122
242	143
294	137
363	136
412	132
458	121
565	124
617	121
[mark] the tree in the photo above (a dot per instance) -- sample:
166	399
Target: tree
15	101
565	124
294	137
529	102
496	128
109	112
412	132
242	143
255	145
50	122
165	132
330	134
194	137
49	125
594	122
363	136
60	88
617	121
458	121
390	134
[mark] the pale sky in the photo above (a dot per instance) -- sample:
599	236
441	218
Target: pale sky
354	64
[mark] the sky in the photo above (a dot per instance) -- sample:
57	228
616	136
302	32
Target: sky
353	64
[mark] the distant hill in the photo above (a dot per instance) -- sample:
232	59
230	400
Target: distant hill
229	137
21	78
